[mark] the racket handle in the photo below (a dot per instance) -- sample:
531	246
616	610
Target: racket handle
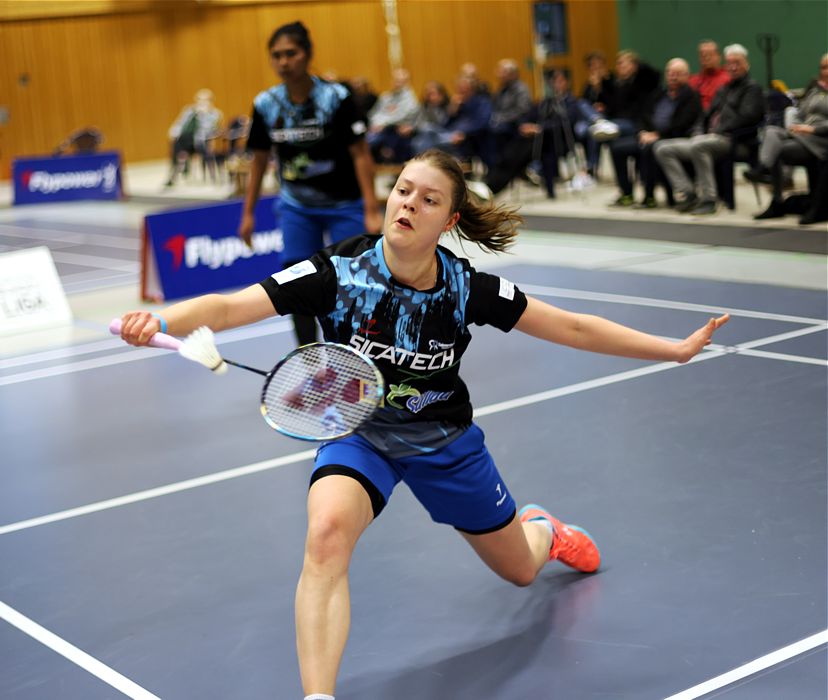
159	340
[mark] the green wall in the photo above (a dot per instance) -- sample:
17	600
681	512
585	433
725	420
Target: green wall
662	29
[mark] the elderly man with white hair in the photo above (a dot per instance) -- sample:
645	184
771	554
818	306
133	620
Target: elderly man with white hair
736	112
670	113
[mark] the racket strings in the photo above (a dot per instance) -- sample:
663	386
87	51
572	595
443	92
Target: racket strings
321	392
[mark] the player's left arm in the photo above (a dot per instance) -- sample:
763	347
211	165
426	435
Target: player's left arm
596	334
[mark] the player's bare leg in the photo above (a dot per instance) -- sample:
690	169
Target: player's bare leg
516	552
339	510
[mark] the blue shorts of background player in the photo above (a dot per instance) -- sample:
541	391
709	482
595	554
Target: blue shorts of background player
304	228
458	484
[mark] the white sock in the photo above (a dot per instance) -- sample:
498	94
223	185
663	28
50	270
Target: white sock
543	521
319	696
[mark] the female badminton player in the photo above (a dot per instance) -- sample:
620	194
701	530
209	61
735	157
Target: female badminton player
325	166
407	303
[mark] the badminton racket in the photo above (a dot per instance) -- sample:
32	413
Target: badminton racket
319	391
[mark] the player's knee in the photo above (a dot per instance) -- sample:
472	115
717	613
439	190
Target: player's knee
521	576
329	542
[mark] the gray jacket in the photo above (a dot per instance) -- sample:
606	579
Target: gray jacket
813	111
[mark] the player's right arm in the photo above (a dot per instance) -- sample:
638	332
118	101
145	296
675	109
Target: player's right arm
258	166
218	311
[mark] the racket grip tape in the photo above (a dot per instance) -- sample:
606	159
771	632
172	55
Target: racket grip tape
159	340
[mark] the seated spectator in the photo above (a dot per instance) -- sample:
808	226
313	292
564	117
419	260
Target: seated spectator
711	75
469	70
671	114
631	91
737	110
192	132
364	97
465	131
595	94
510	106
394	108
545	137
803	142
430	120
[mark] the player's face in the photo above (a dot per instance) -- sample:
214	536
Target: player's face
418	210
289	60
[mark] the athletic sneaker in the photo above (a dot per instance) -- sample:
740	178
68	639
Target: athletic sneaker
571	545
604	130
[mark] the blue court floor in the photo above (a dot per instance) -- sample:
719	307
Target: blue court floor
152	525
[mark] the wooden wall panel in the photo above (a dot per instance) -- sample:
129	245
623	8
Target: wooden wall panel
130	73
438	37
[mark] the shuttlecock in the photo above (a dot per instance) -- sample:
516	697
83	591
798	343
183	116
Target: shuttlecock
200	346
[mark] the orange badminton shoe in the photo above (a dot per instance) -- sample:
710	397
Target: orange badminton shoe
571	545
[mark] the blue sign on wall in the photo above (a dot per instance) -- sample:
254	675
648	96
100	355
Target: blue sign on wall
67	178
196	251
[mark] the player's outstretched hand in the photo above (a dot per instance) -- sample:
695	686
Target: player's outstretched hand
693	344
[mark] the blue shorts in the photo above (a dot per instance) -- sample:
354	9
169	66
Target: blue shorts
457	484
304	228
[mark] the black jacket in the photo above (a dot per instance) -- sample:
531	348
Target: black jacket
740	106
627	99
686	114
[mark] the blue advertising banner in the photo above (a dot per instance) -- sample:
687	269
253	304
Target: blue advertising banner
197	250
67	178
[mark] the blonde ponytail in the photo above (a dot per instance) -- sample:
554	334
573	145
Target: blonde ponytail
492	227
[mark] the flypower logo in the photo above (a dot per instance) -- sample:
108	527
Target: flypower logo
214	253
105	178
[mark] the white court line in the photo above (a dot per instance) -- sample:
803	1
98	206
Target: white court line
75	655
95	261
763	662
660	303
280	325
784	357
133	355
101	240
308	454
159	491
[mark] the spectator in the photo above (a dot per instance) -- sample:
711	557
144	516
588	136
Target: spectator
431	118
192	132
363	96
632	90
394	108
469	70
711	76
803	142
325	167
737	110
510	106
595	94
671	114
546	136
466	128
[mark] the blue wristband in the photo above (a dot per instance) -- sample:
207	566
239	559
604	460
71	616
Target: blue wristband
163	322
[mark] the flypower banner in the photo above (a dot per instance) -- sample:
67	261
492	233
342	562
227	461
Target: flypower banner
67	178
196	251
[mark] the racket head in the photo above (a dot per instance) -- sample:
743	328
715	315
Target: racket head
321	391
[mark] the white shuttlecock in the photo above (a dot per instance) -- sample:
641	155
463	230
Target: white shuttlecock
200	346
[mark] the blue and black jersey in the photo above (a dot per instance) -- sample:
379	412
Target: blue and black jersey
415	337
312	140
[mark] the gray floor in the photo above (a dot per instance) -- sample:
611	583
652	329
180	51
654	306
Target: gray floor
151	525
